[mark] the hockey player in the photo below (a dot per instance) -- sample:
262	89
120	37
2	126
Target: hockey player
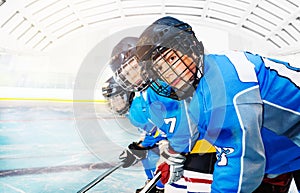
123	103
170	116
127	74
246	105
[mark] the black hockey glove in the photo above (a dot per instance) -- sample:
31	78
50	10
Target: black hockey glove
132	154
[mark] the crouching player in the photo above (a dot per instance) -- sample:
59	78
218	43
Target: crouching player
240	101
123	102
170	116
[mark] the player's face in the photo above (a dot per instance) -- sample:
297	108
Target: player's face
175	68
117	103
131	70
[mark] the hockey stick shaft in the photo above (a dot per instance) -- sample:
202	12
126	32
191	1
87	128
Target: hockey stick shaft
99	178
152	183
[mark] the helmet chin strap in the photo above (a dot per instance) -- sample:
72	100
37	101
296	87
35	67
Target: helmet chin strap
197	78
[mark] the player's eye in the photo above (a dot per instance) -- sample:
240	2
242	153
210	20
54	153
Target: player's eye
159	67
172	58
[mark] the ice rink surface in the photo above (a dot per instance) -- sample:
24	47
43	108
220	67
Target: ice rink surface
42	150
47	147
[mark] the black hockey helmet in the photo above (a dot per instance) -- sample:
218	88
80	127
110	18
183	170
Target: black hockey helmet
119	99
125	65
167	36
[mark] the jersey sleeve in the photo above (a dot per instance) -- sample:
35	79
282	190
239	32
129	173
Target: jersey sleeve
150	140
241	161
138	115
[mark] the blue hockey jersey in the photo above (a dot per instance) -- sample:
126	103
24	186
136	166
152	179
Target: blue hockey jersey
249	108
171	117
139	117
163	118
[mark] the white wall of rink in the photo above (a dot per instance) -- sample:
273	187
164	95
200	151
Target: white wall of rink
19	93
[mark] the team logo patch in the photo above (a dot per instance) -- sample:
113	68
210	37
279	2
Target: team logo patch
222	153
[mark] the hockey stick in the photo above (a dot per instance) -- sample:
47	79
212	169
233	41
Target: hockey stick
99	178
151	184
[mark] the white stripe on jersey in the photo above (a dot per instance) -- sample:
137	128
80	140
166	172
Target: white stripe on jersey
281	107
282	70
243	133
191	126
244	68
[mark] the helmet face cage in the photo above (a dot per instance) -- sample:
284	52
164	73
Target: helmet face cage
170	34
178	63
119	103
119	100
122	51
129	76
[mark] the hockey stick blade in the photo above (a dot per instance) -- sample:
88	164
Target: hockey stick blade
151	184
99	178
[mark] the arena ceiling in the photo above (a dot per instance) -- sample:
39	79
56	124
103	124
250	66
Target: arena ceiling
40	24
